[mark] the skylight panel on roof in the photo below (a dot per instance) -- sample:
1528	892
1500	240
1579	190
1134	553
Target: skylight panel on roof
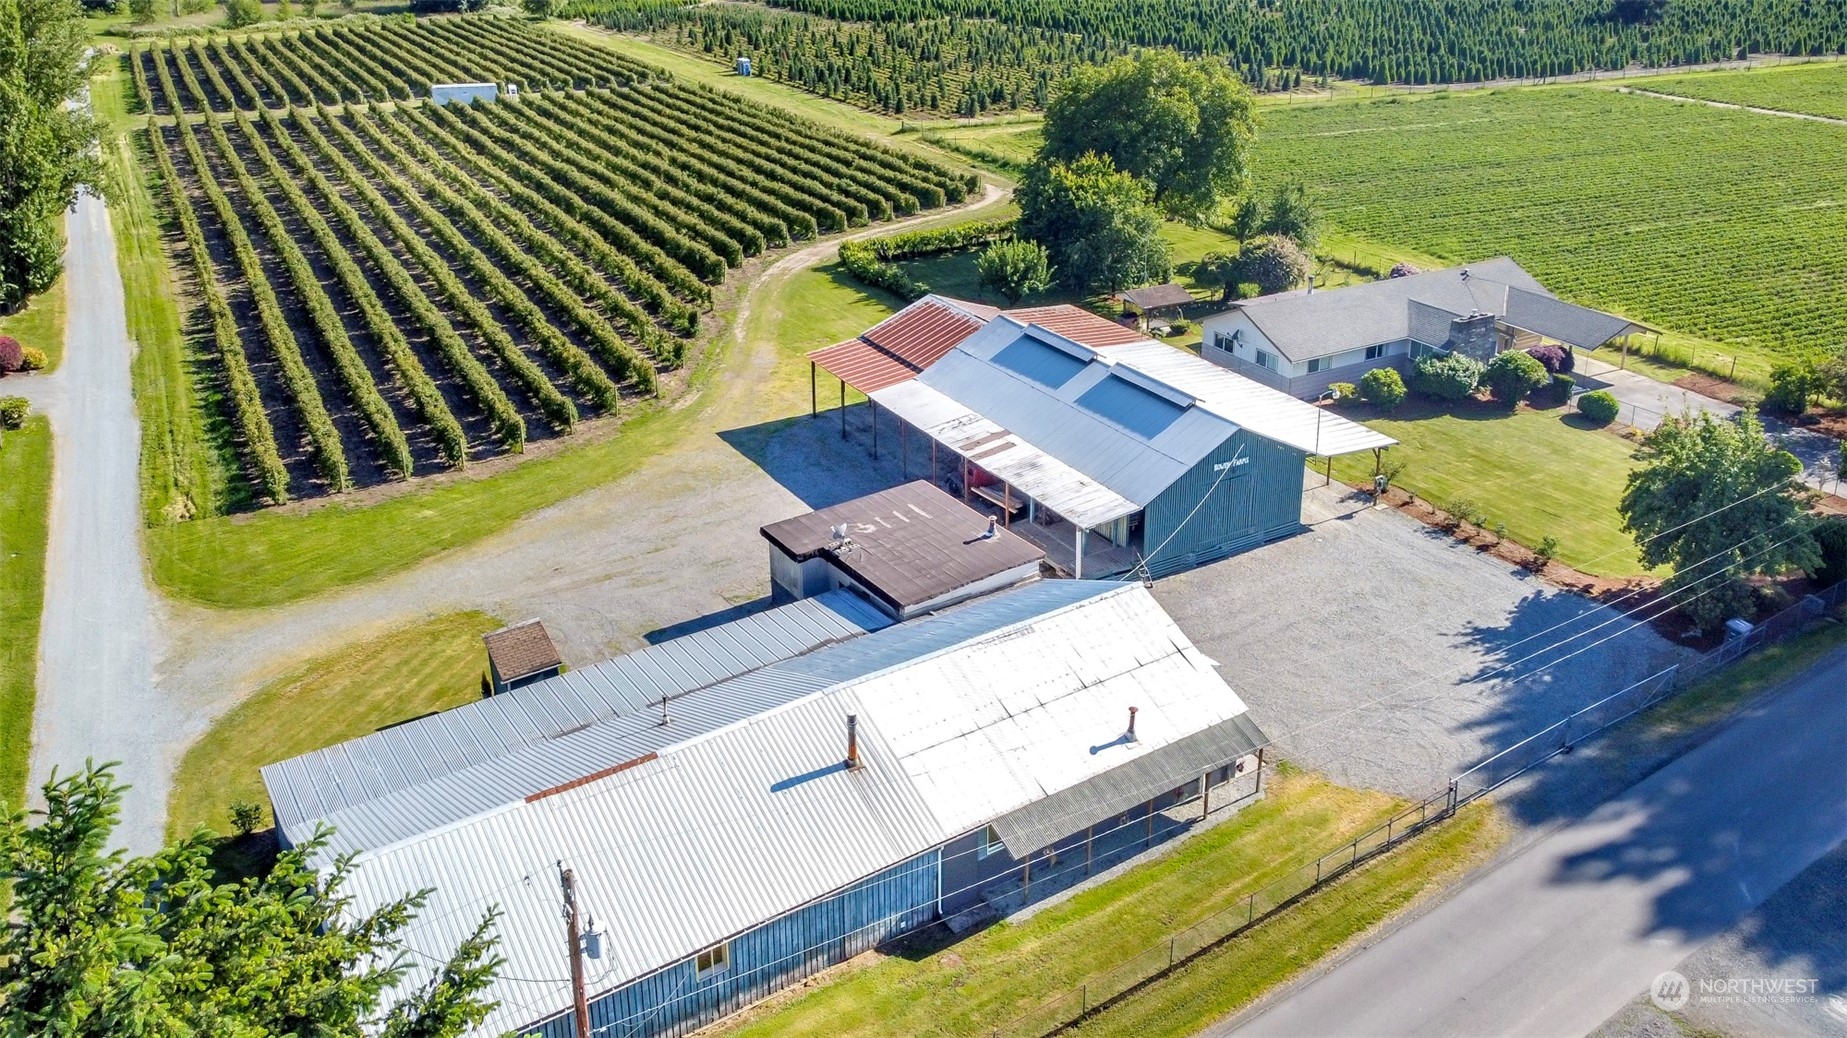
1043	363
1142	412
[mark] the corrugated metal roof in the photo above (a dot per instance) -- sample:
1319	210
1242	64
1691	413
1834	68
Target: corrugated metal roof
316	785
1077	324
965	716
862	365
1139	780
1266	412
903	344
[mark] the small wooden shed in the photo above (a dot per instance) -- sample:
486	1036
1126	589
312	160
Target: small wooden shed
520	655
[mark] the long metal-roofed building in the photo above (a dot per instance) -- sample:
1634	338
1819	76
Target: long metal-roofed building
817	781
1136	458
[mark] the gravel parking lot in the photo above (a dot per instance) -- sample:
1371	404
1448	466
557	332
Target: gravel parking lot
1384	654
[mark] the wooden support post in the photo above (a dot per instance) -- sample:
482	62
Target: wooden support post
872	408
814	398
1205	796
1149	840
1259	788
1006	512
904	458
1329	476
1026	889
580	1006
965	481
843	408
1089	832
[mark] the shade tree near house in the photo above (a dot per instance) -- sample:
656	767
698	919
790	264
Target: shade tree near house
1184	127
101	943
1014	269
1719	503
1098	224
1273	262
46	141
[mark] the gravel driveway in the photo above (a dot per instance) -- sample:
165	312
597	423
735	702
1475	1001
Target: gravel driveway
1373	606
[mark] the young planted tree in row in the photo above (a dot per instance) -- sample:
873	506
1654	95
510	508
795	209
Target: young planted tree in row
1014	269
1718	502
105	945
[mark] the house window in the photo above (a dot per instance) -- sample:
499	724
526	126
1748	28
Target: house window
1375	352
1320	364
715	959
1225	343
990	843
1266	359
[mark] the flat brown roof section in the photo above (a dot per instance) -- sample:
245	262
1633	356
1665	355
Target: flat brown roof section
521	650
910	544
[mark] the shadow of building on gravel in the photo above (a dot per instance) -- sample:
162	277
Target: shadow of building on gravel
814	459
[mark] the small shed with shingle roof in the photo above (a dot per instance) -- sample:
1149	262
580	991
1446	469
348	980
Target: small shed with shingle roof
520	655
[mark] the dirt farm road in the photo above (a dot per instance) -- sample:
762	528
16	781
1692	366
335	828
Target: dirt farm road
126	675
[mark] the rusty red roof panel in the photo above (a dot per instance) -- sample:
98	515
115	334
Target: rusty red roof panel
862	365
921	333
1077	324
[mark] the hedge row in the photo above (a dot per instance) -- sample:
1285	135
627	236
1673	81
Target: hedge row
479	209
557	408
873	261
422	389
583	372
323	438
246	401
778	222
684	318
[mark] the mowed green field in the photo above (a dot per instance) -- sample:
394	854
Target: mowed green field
1809	89
1715	223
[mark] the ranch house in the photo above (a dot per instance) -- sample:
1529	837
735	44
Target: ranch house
744	806
1303	341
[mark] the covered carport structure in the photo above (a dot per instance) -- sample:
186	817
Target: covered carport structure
893	351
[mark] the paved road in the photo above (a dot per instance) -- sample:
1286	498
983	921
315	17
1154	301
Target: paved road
1561	936
95	644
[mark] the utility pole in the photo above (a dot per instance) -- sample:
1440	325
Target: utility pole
582	1006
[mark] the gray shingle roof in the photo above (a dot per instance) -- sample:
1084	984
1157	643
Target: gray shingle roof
1305	325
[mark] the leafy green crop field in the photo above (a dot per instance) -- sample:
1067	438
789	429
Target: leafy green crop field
1700	220
1808	89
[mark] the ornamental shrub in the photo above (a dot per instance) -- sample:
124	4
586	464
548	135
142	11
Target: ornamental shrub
1555	393
1600	407
1344	390
1557	360
32	359
1511	375
1831	547
13	412
1383	388
12	355
1403	270
1448	377
1793	384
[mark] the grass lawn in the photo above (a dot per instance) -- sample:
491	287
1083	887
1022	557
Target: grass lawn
1715	697
988	979
1541	472
41	324
25	502
382	681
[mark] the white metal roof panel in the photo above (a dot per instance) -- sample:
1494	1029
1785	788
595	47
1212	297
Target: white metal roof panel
964	715
1266	412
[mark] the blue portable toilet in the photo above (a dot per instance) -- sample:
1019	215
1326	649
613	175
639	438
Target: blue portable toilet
743	66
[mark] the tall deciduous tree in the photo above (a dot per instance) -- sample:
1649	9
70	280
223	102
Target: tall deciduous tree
1183	126
1273	263
46	146
1294	213
1718	502
101	944
1098	223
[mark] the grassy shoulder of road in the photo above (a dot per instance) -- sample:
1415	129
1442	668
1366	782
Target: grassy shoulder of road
41	324
1716	697
25	526
985	980
1543	472
182	475
371	684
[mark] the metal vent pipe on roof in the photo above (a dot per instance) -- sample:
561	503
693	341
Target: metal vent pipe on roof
1132	713
852	741
993	527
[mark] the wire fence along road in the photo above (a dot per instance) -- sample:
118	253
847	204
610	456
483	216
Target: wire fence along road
1109	986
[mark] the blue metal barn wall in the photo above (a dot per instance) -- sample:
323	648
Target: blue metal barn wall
1253	503
676	1001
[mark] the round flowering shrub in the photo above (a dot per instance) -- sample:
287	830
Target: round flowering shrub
1599	407
12	355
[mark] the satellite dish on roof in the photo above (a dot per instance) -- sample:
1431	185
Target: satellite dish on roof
838	531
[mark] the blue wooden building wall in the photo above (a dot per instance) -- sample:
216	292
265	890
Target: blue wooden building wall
675	1000
1254	502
